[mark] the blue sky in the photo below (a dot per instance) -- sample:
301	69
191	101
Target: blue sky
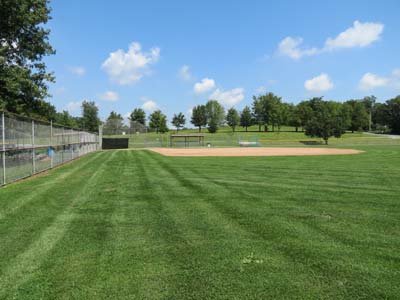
173	55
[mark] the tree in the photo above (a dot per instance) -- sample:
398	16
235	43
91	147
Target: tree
272	109
359	117
246	119
114	124
178	121
138	115
158	122
258	111
381	117
90	119
294	117
199	116
266	110
304	112
393	107
282	115
233	118
23	45
215	115
65	119
326	120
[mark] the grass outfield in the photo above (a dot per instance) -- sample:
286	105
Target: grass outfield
226	138
137	225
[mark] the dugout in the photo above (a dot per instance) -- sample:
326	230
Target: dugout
186	139
115	143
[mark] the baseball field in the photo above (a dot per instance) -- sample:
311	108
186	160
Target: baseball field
136	224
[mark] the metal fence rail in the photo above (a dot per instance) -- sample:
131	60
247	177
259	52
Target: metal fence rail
29	147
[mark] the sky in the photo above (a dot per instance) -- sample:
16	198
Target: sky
173	55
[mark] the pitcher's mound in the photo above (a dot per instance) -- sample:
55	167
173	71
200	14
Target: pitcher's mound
261	151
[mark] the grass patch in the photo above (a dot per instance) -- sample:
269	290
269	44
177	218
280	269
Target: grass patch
137	225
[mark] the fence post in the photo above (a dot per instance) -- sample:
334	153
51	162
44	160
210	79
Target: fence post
100	137
79	143
51	151
3	129
33	148
63	145
71	143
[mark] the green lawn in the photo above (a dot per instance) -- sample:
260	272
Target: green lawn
226	138
137	225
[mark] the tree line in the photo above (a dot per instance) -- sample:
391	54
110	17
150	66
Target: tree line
316	116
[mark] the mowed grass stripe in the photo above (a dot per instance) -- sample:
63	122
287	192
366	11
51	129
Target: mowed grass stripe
45	182
218	252
24	225
25	264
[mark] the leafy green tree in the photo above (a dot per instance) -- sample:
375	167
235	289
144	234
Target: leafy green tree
393	108
158	122
178	121
232	118
359	117
283	114
138	115
304	112
24	43
90	116
294	117
246	118
65	119
258	111
215	115
272	104
266	110
114	124
327	119
199	116
381	116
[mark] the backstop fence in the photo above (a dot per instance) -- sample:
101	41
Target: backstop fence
29	146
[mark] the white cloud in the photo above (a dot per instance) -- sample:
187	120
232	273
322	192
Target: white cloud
73	107
184	73
149	105
289	46
359	35
129	67
228	98
319	83
370	81
77	70
204	85
109	96
396	72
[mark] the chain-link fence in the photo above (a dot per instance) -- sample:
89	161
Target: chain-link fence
28	146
